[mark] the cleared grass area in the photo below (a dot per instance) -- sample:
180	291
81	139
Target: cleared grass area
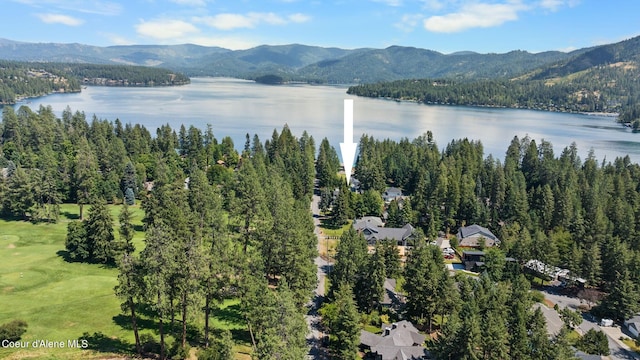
61	301
632	344
332	231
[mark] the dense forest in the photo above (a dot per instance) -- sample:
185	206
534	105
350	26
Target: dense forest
20	79
611	89
601	79
222	224
239	229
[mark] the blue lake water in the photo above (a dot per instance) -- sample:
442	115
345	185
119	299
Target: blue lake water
236	107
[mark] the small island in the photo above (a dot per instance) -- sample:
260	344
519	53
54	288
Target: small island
270	79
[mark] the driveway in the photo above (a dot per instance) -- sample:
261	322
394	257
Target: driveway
618	350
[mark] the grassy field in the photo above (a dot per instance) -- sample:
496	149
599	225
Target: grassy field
61	301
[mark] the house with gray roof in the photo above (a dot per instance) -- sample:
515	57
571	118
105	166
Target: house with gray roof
367	221
373	234
391	193
398	341
471	236
633	325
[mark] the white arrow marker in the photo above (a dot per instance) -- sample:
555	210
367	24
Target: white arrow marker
348	147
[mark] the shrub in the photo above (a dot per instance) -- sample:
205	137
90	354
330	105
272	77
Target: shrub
594	342
537	296
13	330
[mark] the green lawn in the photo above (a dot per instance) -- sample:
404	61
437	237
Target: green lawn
333	231
60	300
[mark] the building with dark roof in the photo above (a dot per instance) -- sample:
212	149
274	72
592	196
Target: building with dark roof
398	341
471	236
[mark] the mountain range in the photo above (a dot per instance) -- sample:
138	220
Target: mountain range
330	65
295	62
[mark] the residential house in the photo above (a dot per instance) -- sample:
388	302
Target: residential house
633	325
373	234
391	193
473	259
391	297
398	341
473	235
367	221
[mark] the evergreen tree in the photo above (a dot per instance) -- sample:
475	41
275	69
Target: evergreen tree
422	274
100	236
345	335
623	300
351	259
369	291
18	196
76	242
85	175
126	230
131	290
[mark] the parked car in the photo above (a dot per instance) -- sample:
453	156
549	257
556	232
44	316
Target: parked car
606	322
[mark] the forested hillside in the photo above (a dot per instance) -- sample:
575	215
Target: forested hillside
20	79
603	79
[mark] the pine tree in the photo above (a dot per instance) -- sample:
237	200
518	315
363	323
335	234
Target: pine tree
131	289
369	290
126	230
100	236
351	257
85	175
422	274
76	242
345	336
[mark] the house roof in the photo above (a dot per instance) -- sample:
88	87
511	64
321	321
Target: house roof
468	236
467	231
634	322
393	191
443	243
403	353
473	252
371	221
399	341
380	233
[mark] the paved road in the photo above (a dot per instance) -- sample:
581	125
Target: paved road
314	338
618	350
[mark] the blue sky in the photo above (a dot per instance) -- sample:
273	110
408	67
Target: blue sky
442	25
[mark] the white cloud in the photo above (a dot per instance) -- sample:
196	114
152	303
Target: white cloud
98	7
408	22
474	15
229	21
165	29
299	18
390	2
434	4
554	5
60	19
197	3
116	39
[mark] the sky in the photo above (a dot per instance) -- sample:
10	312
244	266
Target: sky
484	26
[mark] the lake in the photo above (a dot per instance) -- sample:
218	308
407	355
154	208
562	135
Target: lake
236	107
